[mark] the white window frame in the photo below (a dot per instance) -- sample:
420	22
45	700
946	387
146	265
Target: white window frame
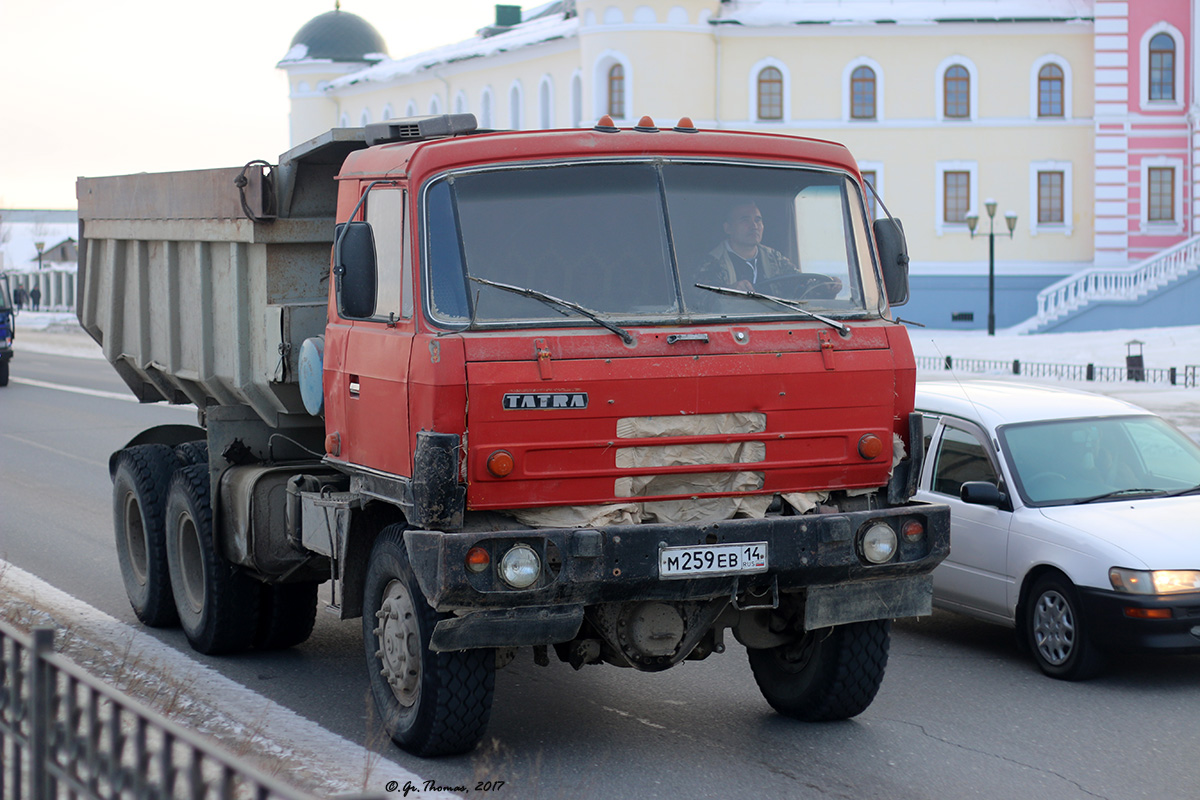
516	105
1067	226
364	118
877	168
604	62
1034	87
752	92
388	113
1144	71
487	108
940	88
942	168
1161	228
848	92
410	110
546	102
460	102
344	120
435	105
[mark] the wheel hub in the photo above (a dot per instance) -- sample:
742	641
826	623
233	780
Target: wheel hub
135	538
1053	628
399	639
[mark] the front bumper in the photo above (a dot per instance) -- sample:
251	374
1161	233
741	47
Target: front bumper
1113	628
817	554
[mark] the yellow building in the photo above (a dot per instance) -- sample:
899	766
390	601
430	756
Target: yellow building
945	103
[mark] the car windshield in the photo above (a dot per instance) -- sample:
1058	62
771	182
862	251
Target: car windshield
1096	459
646	242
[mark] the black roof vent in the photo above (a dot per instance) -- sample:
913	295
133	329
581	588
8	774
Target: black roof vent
417	129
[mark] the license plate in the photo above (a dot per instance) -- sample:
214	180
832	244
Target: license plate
712	559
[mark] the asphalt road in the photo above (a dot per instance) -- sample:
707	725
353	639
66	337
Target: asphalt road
962	714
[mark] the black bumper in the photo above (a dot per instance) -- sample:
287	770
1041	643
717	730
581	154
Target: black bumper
819	554
1113	628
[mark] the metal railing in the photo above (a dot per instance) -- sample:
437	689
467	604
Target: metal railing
1113	283
66	734
1189	376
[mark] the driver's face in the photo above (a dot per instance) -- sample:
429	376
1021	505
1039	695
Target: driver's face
744	226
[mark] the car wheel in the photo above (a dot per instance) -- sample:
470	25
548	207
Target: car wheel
217	602
139	499
1057	631
431	703
828	674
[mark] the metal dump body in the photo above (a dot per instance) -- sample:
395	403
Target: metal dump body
201	290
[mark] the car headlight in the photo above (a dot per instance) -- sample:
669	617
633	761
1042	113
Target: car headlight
520	566
1160	581
879	543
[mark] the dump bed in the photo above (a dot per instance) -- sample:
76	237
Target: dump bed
202	285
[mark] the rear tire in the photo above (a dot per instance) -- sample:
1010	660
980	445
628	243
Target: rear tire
217	603
139	501
432	704
828	674
190	453
286	615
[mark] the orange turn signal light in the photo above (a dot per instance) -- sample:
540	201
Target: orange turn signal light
478	559
333	444
500	463
913	530
1148	613
870	446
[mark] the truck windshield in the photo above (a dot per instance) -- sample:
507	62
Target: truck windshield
647	242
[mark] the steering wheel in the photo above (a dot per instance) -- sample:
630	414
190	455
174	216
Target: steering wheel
800	285
1047	476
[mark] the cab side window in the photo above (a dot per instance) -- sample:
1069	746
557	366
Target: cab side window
386	213
961	457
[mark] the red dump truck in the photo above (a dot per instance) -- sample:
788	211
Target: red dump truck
513	390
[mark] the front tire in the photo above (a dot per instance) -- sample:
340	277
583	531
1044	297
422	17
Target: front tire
1057	633
827	674
139	501
432	704
217	603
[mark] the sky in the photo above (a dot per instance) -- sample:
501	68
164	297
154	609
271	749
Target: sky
110	87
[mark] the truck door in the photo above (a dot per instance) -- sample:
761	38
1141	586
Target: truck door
375	381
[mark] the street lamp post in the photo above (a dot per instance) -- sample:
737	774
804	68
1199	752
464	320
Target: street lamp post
1010	219
40	248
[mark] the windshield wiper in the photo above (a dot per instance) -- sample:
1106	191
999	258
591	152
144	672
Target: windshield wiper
1121	493
1182	492
552	301
785	303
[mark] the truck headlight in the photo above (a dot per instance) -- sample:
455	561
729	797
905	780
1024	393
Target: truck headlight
520	566
1161	581
879	543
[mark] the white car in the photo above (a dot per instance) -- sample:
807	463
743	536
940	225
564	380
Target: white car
1075	518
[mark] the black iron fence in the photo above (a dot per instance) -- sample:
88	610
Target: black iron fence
66	734
1188	376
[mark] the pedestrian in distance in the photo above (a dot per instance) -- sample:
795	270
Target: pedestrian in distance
35	298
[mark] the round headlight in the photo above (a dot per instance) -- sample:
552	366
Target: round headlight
520	566
879	544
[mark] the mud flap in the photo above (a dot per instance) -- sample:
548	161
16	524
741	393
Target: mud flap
887	598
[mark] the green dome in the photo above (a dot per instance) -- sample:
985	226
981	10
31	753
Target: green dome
338	36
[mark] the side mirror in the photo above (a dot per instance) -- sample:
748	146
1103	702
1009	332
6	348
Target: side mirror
983	493
893	259
354	268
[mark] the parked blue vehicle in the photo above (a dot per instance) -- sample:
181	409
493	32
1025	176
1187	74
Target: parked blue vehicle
8	319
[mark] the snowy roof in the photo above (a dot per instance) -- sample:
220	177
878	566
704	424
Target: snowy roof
799	12
544	23
336	36
21	230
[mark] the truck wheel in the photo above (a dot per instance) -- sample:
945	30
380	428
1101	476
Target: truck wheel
3	372
286	614
829	674
190	453
432	704
1057	632
139	499
217	603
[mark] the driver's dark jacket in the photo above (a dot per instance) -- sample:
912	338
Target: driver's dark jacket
718	270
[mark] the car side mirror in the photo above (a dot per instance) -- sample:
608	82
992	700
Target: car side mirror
983	493
354	268
893	259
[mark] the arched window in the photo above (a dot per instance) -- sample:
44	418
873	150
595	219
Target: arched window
616	91
1162	67
545	104
1050	91
364	119
435	105
514	107
410	110
460	103
770	93
956	88
576	100
862	93
485	109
